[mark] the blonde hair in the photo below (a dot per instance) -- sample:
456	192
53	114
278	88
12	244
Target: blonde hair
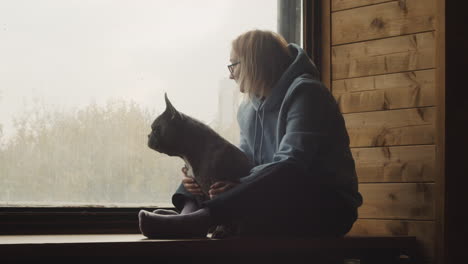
263	56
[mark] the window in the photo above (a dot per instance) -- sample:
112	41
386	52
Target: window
64	61
81	82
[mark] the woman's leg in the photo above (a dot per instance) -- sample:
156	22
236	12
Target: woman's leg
193	224
168	223
279	187
282	200
190	206
185	202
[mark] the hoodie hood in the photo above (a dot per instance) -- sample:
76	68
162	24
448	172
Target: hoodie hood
301	64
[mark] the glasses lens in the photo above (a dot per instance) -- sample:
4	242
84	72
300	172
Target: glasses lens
231	67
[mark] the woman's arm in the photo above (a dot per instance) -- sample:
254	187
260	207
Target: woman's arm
311	112
308	111
243	144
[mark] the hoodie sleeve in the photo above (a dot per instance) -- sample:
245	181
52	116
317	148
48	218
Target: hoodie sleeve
243	143
307	112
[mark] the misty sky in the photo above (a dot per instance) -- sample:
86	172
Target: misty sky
67	53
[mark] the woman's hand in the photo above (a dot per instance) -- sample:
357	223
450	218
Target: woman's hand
189	183
220	187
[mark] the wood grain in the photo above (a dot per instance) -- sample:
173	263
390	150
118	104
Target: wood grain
390	128
392	55
346	4
382	20
397	201
384	92
422	230
395	164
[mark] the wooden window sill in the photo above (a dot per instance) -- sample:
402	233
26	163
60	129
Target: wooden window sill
136	245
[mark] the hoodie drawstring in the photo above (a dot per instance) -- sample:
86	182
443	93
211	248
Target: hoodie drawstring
262	117
255	136
261	135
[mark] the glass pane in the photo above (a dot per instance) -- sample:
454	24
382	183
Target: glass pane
81	82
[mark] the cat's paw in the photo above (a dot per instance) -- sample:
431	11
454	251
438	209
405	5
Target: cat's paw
165	212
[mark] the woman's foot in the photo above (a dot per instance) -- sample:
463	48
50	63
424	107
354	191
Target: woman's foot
194	224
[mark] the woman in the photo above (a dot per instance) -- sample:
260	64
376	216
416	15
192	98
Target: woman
304	181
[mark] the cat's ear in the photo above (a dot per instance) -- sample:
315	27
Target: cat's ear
171	109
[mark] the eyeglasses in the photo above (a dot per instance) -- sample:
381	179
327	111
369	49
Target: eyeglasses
231	67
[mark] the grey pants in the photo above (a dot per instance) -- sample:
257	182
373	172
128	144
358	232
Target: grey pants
281	201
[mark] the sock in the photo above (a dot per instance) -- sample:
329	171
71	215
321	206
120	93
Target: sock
194	224
190	206
165	212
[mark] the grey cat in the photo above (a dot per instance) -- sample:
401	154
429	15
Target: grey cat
208	157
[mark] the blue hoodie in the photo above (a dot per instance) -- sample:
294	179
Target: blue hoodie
300	122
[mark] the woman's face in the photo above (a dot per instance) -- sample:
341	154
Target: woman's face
234	75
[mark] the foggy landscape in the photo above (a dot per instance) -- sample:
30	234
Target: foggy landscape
81	82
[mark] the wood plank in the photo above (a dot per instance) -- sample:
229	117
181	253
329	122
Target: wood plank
375	48
422	230
347	4
383	20
383	92
397	201
392	55
388	81
362	101
395	164
235	250
389	128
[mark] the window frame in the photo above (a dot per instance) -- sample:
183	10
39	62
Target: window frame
102	220
70	220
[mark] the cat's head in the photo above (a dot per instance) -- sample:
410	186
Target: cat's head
166	131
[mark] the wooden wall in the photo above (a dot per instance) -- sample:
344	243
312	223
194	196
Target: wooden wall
379	61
